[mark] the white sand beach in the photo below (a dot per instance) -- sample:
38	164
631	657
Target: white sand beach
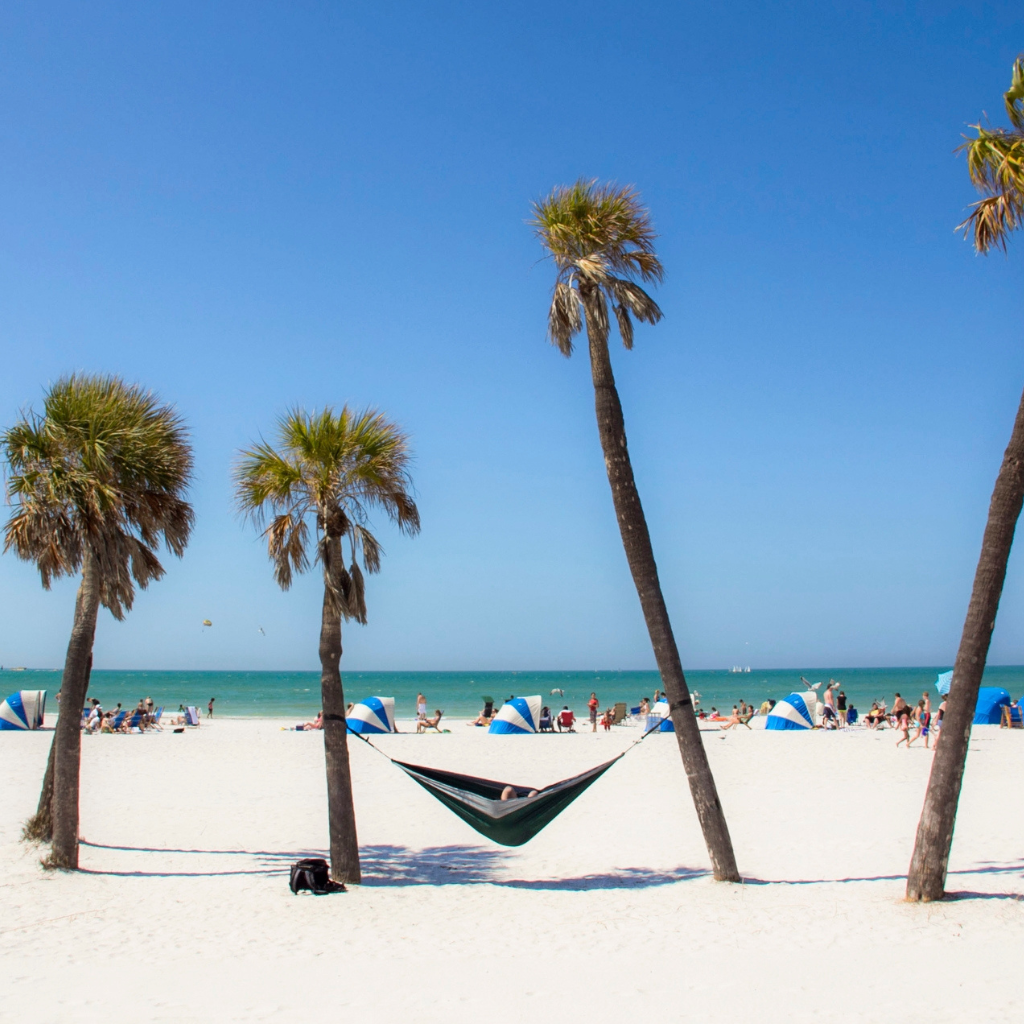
183	912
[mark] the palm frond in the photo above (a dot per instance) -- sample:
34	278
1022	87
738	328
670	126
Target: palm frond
565	319
334	469
600	238
106	466
995	163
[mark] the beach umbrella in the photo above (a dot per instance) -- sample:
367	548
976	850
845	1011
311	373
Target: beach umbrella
519	715
375	714
942	684
23	710
790	713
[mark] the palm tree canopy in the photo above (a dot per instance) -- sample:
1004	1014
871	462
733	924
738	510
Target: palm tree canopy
332	468
600	236
995	161
105	467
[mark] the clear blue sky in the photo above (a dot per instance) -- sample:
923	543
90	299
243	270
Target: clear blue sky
247	206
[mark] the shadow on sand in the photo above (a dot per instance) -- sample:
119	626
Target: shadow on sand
387	865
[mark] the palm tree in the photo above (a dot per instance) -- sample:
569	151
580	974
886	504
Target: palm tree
97	481
601	241
995	161
331	469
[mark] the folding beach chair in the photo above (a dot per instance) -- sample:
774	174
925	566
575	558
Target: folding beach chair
426	724
619	712
155	723
1012	717
192	716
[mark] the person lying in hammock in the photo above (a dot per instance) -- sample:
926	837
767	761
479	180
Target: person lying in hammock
509	793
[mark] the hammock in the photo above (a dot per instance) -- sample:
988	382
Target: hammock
478	801
509	822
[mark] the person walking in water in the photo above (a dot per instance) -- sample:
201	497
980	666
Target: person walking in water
593	704
209	708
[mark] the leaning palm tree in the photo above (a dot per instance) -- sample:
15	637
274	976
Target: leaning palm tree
97	481
332	469
995	161
601	241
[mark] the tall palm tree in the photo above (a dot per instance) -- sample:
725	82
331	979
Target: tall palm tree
995	161
330	469
601	241
97	481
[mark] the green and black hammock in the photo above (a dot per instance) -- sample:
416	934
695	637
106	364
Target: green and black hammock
478	802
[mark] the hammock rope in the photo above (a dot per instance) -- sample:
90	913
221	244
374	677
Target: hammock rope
478	801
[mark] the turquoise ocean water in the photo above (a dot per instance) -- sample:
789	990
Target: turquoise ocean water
460	694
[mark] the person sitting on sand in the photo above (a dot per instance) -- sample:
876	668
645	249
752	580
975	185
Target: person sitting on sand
317	723
485	716
715	716
546	723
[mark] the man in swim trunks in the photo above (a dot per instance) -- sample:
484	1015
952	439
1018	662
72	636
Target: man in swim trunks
593	704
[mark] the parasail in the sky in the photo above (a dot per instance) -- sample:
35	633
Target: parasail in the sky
207	622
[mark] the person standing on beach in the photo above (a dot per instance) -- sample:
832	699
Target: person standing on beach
209	708
841	708
421	707
593	704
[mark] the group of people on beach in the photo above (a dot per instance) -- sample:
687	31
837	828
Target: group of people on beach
905	719
143	717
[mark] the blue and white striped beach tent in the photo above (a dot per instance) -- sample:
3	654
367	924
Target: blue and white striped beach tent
791	712
519	715
375	714
23	710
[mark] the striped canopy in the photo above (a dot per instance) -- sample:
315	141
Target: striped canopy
375	714
23	710
520	715
790	713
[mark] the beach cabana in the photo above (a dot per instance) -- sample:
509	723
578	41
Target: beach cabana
373	715
791	712
23	710
989	709
519	715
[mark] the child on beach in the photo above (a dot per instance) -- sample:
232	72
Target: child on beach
903	726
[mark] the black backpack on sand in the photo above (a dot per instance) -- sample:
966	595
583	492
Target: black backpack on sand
312	874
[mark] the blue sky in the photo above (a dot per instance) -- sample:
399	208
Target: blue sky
252	206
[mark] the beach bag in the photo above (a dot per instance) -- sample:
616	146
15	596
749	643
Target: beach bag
312	874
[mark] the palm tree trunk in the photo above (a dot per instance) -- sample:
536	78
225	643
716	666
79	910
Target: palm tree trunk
926	879
637	541
67	738
341	815
39	828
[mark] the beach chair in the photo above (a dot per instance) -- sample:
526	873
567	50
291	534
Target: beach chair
192	716
618	712
1012	717
745	719
426	724
115	722
135	722
155	723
